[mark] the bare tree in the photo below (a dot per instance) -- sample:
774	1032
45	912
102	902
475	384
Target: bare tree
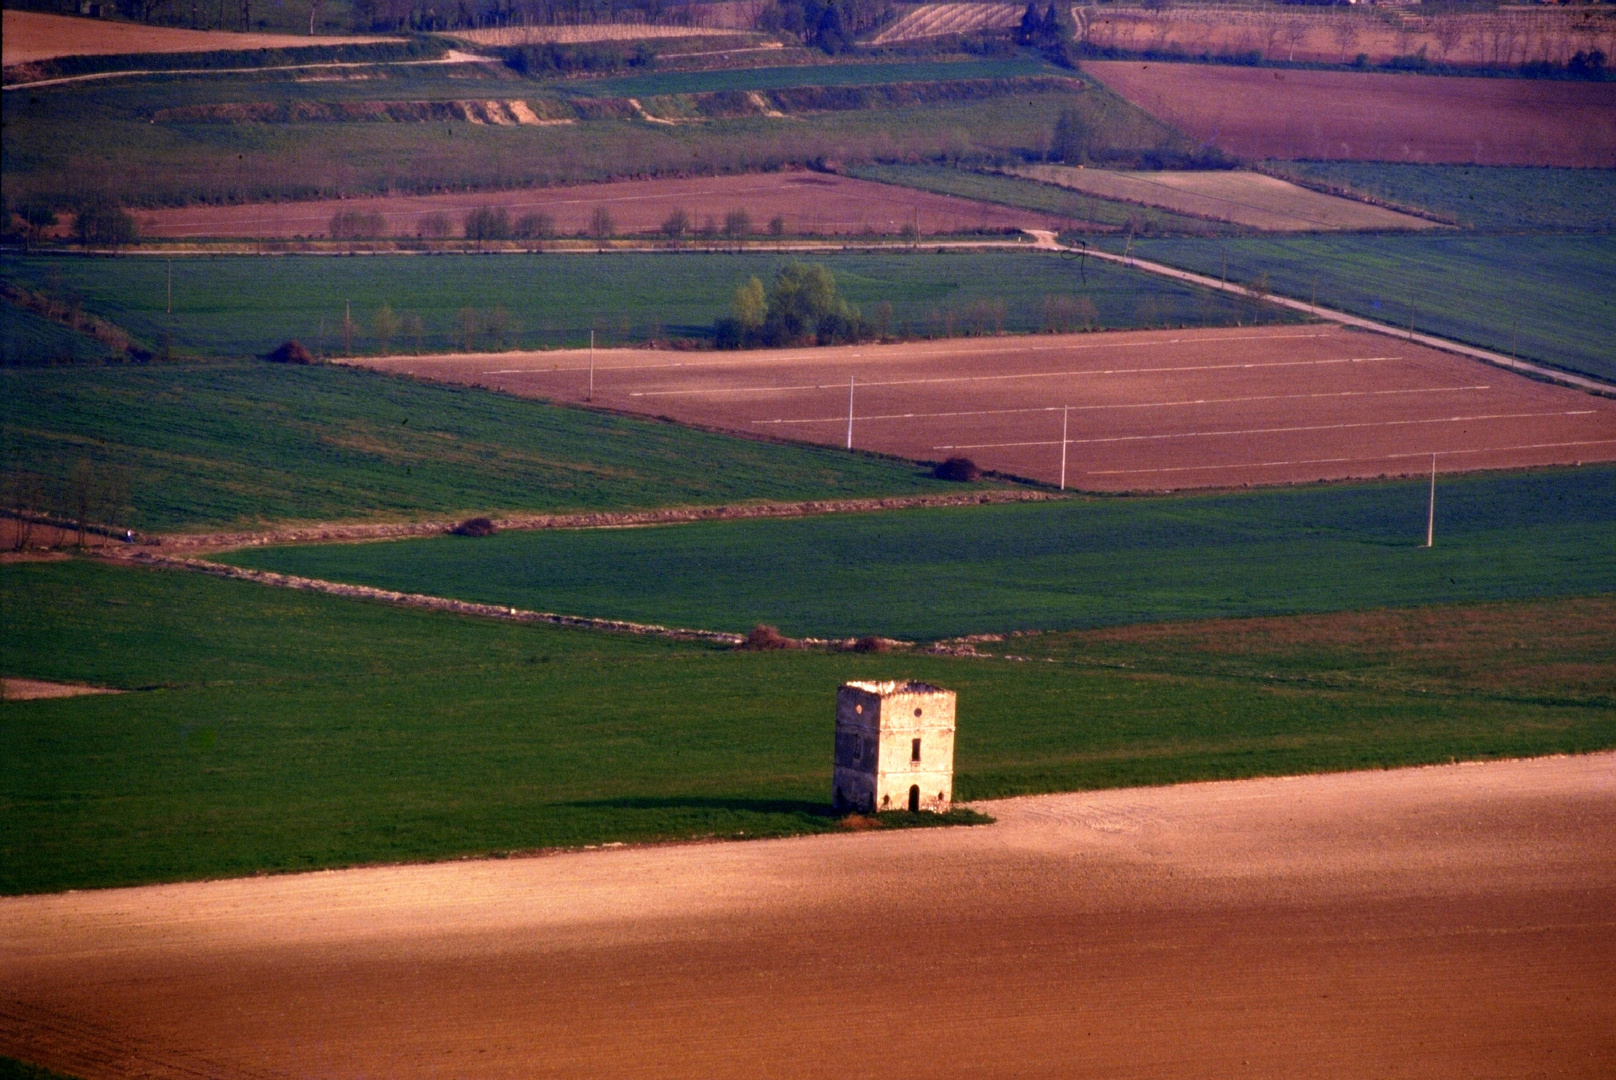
737	223
384	324
601	225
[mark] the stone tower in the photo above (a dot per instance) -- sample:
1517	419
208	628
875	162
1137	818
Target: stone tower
894	747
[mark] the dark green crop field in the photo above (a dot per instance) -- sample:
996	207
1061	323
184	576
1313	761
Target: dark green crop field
239	444
245	305
1546	298
277	730
65	142
939	573
1501	198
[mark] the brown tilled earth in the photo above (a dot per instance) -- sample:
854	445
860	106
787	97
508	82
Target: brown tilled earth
1365	116
1149	410
1455	921
809	203
31	36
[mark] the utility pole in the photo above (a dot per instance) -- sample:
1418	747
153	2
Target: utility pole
347	328
1430	514
850	379
1066	412
591	396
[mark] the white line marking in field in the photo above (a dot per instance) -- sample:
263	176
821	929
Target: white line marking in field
899	354
1274	431
1005	378
1340	460
1133	405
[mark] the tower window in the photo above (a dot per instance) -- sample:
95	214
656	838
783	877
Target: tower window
914	750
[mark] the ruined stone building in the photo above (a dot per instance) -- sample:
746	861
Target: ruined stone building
894	747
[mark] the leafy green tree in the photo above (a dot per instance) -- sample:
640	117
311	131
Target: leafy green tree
384	324
750	307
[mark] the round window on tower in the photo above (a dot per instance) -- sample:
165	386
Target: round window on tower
859	709
917	712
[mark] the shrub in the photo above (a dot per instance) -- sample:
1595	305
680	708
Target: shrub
764	638
433	226
103	221
488	223
960	469
290	352
872	643
477	526
355	225
534	227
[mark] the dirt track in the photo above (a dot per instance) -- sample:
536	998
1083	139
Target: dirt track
809	204
1150	410
1363	116
1457	921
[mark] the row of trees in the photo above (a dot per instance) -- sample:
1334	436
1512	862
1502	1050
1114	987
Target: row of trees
489	223
97	220
92	497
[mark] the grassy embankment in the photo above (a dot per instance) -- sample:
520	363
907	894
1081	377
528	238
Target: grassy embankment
1064	565
239	445
280	730
115	146
1544	298
242	306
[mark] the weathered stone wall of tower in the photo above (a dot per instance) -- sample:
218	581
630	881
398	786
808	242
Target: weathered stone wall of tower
893	741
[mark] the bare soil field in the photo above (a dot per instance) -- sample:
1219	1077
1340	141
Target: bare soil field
30	36
1148	410
36	689
1366	116
1245	198
1502	38
1454	921
808	203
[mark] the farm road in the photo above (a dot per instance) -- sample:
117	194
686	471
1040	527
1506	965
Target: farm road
1450	921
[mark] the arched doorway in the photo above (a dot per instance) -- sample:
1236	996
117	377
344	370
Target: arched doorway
914	798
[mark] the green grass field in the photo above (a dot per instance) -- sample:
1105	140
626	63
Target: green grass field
279	730
246	305
1492	198
1094	562
842	74
1546	298
239	444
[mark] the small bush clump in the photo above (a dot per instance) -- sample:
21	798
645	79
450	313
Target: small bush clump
477	526
764	638
290	352
961	469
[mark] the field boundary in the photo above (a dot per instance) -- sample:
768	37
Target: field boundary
602	519
421	600
1487	356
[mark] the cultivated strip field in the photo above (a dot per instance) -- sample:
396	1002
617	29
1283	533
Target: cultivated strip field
30	36
573	35
808	203
1441	922
1146	410
1244	198
936	20
1366	116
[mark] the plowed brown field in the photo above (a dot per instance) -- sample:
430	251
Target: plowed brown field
1457	921
809	203
1366	116
31	36
1147	409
